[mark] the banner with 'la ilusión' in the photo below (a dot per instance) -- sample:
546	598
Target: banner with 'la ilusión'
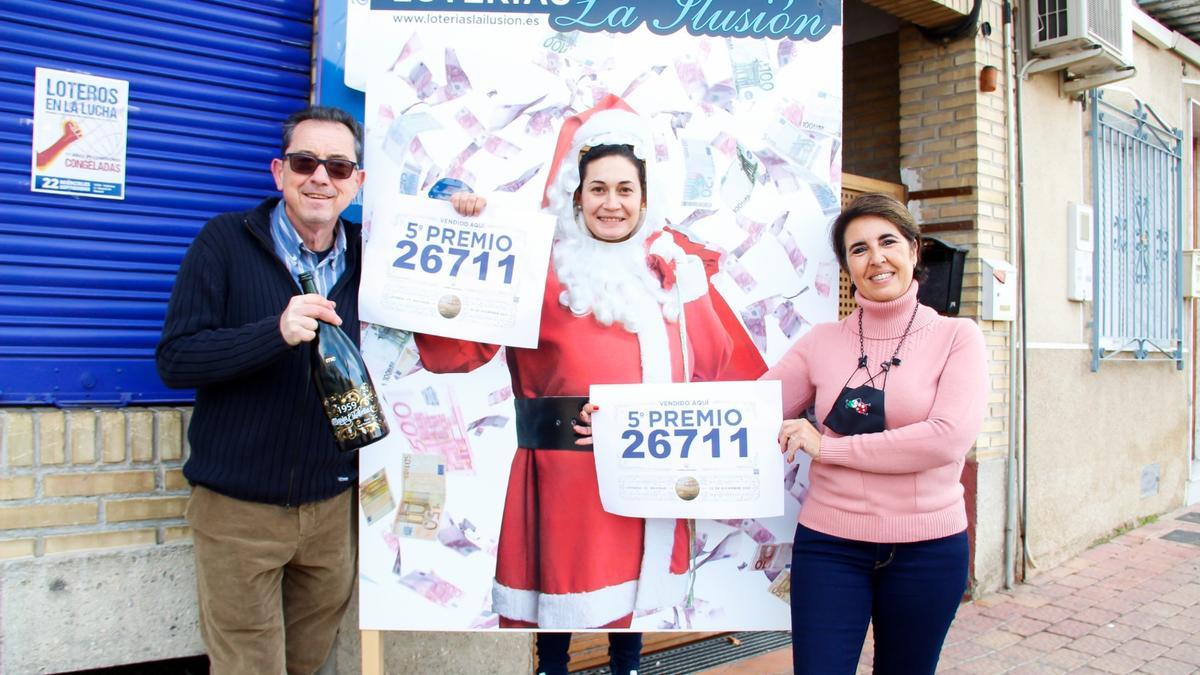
744	102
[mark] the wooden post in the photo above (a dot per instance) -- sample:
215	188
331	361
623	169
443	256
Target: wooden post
372	652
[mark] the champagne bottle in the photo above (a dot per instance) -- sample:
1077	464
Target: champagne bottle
344	385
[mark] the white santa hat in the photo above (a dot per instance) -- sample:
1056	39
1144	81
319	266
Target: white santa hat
610	122
612	280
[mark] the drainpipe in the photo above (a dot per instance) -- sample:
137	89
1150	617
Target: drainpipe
1015	204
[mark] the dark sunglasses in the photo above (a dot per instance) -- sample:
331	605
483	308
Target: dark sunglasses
305	165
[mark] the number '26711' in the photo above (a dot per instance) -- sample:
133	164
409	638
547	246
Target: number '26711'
660	443
432	258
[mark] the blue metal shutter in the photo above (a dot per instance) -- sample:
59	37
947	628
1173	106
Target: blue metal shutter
84	282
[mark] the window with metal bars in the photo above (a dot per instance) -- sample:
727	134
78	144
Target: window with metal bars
1137	185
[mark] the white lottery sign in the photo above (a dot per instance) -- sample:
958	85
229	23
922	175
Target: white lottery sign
430	270
80	130
699	450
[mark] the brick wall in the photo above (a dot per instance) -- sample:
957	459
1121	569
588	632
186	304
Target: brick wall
954	136
86	479
871	108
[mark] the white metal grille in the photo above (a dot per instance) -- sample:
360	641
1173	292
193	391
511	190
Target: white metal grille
1104	22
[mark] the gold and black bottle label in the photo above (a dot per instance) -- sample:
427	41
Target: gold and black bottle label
354	413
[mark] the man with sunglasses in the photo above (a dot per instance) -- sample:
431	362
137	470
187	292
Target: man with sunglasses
271	511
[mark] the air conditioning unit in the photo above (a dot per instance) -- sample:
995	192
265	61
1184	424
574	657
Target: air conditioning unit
1058	27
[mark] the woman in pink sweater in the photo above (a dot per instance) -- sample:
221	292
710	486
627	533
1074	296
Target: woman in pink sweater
882	532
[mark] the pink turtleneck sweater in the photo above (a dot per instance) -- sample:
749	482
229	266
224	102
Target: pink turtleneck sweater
901	484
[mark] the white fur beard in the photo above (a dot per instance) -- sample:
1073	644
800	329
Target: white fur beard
611	280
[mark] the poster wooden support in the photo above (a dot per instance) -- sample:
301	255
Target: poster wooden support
372	652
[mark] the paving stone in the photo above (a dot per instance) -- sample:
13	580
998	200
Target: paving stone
1139	595
1076	602
1050	614
1186	652
1096	615
1168	637
998	598
1057	590
964	651
1101	552
1036	669
1102	571
1184	595
1025	626
1193	612
1095	591
1160	609
1121	582
1165	666
996	639
1088	670
1071	628
1005	610
1017	655
1030	599
1077	581
1116	663
1141	649
1186	624
1118	632
1045	642
1094	645
1140	619
1065	658
976	623
1118	604
1181	575
984	665
1159	586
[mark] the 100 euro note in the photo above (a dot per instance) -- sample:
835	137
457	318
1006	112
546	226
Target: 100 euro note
432	587
750	63
422	498
699	176
432	424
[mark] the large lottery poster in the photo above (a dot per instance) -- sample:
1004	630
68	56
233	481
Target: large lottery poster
735	109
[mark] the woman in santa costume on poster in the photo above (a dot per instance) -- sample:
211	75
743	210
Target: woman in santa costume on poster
626	301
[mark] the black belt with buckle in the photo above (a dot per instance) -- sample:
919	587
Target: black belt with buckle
546	423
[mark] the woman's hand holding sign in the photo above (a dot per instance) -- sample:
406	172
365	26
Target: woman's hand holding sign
583	426
799	435
468	203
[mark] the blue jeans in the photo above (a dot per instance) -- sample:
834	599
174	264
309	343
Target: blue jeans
909	591
624	652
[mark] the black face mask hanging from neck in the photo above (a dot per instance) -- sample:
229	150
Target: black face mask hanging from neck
861	409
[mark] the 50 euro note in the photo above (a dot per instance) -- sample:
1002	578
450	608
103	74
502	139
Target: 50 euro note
422	497
375	498
781	587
